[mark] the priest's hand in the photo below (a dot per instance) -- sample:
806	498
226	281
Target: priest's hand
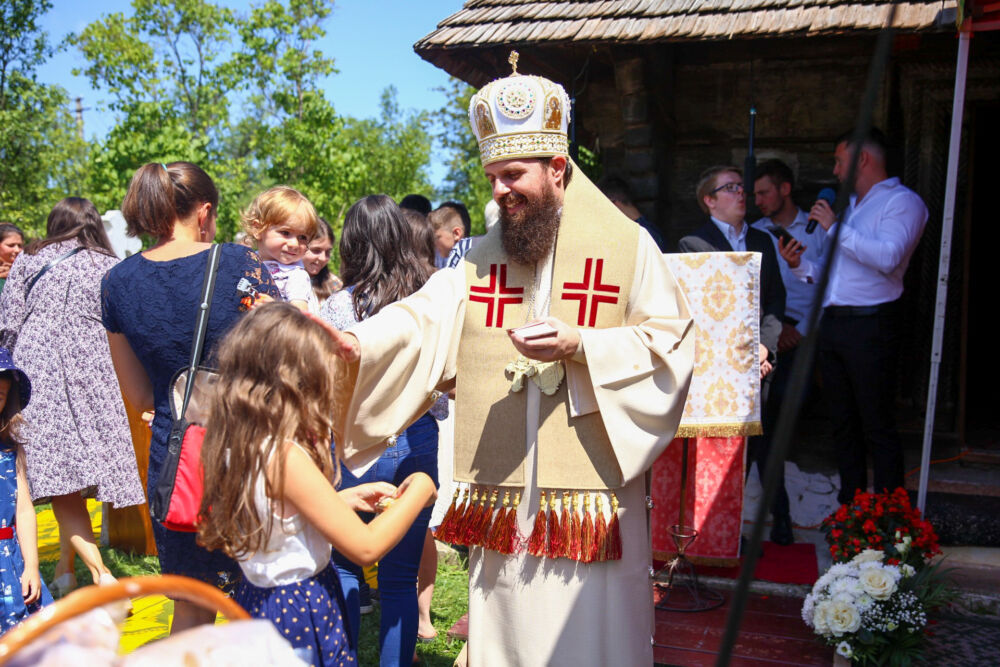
562	344
347	346
364	497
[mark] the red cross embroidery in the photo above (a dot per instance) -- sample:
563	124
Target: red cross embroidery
586	290
493	293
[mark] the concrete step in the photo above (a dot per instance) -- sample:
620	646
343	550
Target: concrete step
974	474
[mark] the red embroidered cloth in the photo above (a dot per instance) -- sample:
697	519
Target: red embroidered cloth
714	498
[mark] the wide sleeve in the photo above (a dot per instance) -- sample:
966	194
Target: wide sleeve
408	350
638	375
13	307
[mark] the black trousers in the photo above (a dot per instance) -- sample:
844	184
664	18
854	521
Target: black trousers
759	446
857	359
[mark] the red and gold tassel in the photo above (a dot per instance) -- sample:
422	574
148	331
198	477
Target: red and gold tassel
472	530
513	541
587	543
496	540
600	530
557	544
447	526
574	530
537	541
614	532
485	521
462	525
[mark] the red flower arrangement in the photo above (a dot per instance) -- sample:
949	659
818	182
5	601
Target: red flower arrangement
885	522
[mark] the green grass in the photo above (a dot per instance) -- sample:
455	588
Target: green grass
451	601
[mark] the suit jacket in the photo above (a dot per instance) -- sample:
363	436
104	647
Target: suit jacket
708	238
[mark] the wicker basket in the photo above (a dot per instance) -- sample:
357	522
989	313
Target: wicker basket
91	597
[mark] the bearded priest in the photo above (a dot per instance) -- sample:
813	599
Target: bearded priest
572	348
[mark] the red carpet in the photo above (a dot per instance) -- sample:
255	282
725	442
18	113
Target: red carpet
794	564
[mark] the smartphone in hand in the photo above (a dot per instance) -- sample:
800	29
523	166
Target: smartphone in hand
781	233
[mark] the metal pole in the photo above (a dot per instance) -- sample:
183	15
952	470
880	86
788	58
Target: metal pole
940	307
79	117
750	163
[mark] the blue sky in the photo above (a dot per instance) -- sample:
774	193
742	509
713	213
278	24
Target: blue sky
371	42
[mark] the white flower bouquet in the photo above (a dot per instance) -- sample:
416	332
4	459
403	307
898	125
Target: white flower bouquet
874	613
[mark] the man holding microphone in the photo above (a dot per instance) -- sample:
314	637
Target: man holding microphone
859	330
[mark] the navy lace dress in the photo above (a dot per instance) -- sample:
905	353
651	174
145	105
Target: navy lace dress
154	305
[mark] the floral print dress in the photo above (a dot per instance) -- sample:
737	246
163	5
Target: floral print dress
76	435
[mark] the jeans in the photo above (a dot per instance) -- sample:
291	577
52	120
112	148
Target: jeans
415	450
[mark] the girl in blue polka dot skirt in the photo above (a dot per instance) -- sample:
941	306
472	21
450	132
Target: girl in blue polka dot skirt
23	591
270	499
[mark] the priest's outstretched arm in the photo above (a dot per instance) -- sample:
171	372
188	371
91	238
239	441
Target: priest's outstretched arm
397	360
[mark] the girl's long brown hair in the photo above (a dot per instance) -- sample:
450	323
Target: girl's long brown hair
276	385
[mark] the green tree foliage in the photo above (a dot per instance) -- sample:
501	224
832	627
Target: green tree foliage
170	74
337	160
41	156
240	94
466	181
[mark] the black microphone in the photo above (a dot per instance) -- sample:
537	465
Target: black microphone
829	196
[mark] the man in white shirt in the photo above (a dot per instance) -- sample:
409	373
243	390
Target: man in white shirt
858	337
773	196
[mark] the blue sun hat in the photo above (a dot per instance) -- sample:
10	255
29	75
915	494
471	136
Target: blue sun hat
23	383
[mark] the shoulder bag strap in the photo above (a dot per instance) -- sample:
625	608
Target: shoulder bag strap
44	269
201	325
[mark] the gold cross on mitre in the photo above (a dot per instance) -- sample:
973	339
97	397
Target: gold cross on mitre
512	59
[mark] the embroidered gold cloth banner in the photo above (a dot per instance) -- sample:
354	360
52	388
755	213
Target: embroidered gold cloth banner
723	292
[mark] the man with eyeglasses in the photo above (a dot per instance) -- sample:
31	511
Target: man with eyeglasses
721	195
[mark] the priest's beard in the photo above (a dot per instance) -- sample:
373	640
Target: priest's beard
529	234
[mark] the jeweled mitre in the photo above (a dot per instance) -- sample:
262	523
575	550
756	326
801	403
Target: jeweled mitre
520	116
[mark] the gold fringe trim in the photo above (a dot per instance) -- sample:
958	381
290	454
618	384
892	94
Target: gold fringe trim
730	430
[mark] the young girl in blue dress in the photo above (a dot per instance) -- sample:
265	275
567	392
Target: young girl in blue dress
23	590
270	500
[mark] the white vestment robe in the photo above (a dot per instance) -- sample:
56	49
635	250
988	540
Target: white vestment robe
525	610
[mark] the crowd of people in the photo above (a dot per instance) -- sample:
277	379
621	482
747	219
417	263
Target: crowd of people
321	452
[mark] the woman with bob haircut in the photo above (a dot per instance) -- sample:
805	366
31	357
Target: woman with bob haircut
149	304
76	435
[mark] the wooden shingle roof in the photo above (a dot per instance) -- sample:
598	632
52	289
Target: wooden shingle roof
486	23
473	43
